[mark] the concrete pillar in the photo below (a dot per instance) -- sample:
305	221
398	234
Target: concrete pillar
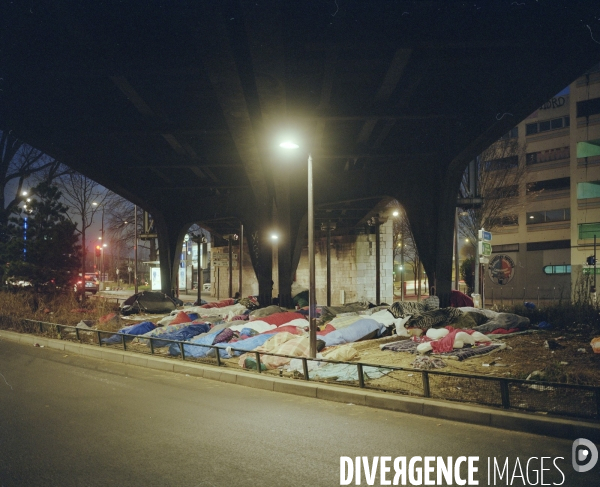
170	240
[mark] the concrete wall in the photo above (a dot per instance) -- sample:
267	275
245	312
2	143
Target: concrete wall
529	280
219	276
352	269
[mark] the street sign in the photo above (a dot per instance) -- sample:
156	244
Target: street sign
590	271
484	260
485	236
485	248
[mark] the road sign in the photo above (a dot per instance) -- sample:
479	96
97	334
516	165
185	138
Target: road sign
485	236
590	271
485	248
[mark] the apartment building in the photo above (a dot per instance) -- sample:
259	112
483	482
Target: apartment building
541	248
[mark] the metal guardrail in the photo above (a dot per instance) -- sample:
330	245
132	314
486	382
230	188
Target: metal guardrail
507	393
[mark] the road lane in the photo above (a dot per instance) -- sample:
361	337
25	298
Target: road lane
68	420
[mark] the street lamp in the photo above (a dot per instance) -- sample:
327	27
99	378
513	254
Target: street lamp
312	308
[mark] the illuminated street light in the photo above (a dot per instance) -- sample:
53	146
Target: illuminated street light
289	145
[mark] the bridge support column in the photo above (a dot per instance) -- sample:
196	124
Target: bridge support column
170	240
261	255
432	224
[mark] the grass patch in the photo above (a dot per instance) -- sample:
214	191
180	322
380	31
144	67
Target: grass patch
64	309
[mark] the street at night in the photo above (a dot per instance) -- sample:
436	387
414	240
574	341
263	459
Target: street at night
69	420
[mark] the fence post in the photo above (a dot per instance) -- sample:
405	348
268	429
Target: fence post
99	340
182	351
77	334
361	377
151	346
426	390
257	355
504	394
305	368
123	342
41	327
218	357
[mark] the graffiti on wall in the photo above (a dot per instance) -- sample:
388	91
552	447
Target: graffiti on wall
501	269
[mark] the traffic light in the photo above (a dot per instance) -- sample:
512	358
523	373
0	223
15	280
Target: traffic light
98	251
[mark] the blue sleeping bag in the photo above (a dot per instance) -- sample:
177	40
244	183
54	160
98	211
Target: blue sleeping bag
247	345
355	332
133	330
195	350
181	335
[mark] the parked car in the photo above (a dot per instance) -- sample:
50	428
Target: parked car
88	284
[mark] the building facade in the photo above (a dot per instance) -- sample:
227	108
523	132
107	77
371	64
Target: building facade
540	251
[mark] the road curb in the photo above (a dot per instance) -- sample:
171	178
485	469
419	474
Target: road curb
507	420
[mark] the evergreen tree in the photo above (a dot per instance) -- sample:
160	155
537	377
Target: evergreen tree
42	243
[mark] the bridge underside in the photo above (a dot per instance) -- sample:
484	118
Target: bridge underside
180	107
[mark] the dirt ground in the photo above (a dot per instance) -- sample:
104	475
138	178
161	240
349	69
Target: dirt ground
524	354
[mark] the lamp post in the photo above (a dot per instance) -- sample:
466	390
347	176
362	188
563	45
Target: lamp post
135	250
200	241
312	308
102	246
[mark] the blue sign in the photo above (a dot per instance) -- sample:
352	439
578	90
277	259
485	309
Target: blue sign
486	236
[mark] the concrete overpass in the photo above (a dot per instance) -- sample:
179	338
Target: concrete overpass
180	106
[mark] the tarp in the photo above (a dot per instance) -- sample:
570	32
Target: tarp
358	330
148	302
196	351
138	329
181	335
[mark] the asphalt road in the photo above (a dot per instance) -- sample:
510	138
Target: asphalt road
66	420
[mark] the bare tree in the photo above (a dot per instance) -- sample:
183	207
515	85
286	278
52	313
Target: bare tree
500	169
18	162
85	199
404	243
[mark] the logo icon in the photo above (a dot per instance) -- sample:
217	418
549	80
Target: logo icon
584	455
501	269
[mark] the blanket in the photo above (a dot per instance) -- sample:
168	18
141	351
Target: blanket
459	354
360	330
505	321
181	335
279	319
438	317
297	347
133	330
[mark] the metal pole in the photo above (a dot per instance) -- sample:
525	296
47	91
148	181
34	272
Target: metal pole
241	257
482	287
377	263
402	266
135	251
477	291
102	247
312	307
594	270
328	263
199	253
230	249
456	264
